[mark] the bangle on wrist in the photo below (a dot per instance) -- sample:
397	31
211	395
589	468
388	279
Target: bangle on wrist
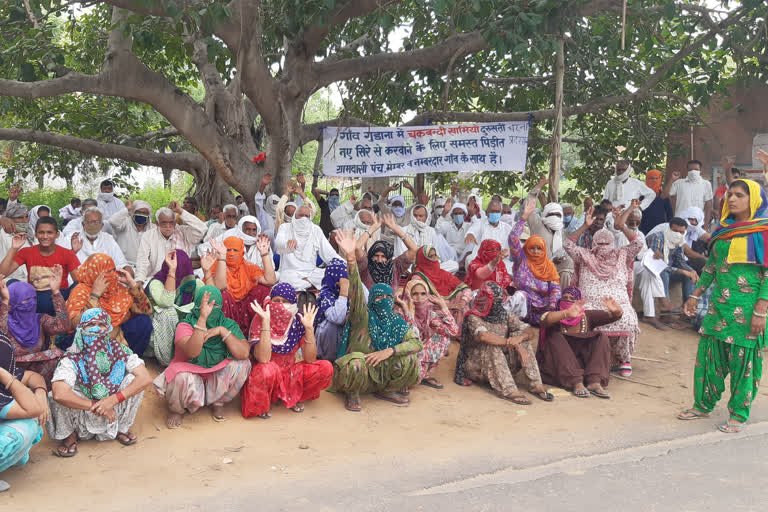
198	328
760	315
120	397
97	297
40	387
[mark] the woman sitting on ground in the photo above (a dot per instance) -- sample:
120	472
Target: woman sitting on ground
23	408
489	265
535	275
378	264
571	353
245	281
277	333
332	309
100	285
379	350
97	387
430	313
441	282
495	345
30	331
603	271
171	292
210	363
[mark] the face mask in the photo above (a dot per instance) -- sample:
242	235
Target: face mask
439	210
553	222
508	218
675	238
399	211
494	217
106	196
21	227
458	219
694	175
567	219
140	220
333	202
420	226
302	225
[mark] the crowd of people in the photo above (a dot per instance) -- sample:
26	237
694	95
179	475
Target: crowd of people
274	308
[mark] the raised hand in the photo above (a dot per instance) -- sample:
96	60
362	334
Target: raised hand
221	251
308	316
170	260
611	305
263	313
266	179
99	284
75	242
447	207
504	254
5	295
301	179
377	221
407	185
206	305
675	176
763	157
262	244
128	204
438	301
54	280
588	203
18	241
346	242
576	310
207	260
542	181
388	219
589	217
470	239
175	207
514	201
728	161
528	208
8	225
125	277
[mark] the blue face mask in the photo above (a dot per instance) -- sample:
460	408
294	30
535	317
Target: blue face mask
399	211
140	220
458	219
333	202
494	218
567	219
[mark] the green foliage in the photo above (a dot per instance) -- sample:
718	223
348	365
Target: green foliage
53	198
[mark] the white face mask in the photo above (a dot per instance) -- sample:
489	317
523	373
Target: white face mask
694	175
675	238
508	218
106	196
553	222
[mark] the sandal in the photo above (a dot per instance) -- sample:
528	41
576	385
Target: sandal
599	392
581	392
692	414
543	395
432	383
264	415
217	413
68	448
395	398
518	399
655	323
731	428
352	403
299	407
624	369
127	438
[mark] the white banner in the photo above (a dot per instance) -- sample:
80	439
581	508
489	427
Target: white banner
377	152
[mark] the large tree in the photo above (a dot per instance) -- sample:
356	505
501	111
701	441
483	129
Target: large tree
259	62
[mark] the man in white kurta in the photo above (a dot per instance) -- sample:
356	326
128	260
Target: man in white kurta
166	237
128	226
299	243
231	215
248	230
76	225
489	227
423	235
106	200
93	240
692	191
623	188
452	225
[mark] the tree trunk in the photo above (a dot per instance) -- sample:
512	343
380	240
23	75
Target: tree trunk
554	170
211	190
167	171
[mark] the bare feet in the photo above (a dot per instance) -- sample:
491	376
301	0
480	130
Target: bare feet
174	420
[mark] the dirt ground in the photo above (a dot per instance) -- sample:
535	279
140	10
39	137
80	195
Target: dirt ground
440	427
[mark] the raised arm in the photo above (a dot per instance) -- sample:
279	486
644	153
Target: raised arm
411	247
269	278
9	264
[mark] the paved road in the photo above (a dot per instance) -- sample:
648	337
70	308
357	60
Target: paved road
710	471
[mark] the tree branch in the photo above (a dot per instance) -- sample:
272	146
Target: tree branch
517	80
184	160
313	131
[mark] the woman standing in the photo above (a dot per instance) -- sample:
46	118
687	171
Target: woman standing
97	388
603	271
28	330
733	331
22	410
430	313
276	335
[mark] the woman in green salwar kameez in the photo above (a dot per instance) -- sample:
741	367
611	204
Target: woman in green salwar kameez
379	350
733	330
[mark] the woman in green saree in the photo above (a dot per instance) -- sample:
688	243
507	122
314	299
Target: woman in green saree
733	330
379	351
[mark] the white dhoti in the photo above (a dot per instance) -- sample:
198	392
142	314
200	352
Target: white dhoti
650	287
450	266
303	279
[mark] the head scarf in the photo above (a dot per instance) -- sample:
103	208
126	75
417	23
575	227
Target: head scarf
541	266
422	311
8	363
333	202
488	250
692	233
23	320
270	205
554	224
438	280
618	191
488	304
398	211
381	272
653	180
33	218
116	299
286	329
247	239
242	275
605	260
360	226
16	210
214	350
335	271
460	206
100	361
185	278
138	204
417	224
385	328
570	295
749	238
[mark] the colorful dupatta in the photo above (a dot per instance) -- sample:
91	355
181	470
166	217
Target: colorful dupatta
749	239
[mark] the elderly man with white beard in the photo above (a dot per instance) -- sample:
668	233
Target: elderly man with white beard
93	240
423	234
299	243
167	236
623	188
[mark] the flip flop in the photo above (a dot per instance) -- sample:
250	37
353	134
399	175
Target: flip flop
600	393
126	439
581	393
692	414
544	395
299	407
352	403
395	398
67	454
655	323
670	312
518	399
432	383
4	486
731	428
